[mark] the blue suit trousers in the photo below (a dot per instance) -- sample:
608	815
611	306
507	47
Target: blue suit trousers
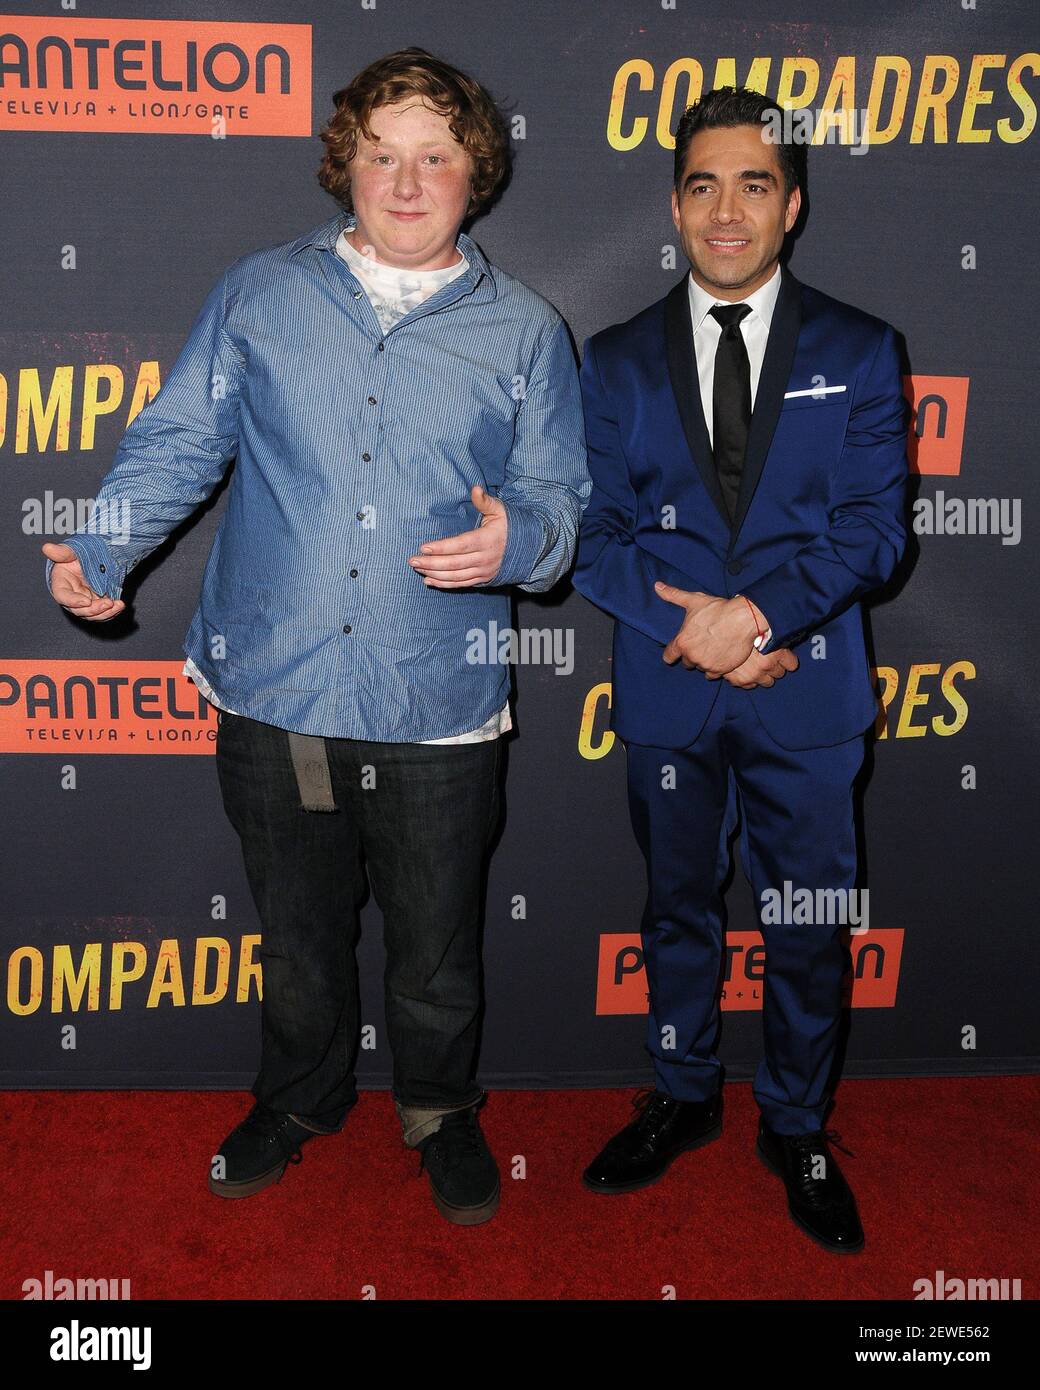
797	815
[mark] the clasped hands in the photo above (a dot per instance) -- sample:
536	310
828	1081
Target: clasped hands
717	637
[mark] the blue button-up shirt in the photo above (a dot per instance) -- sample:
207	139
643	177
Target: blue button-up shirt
353	448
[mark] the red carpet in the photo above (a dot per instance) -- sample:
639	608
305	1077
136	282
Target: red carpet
113	1185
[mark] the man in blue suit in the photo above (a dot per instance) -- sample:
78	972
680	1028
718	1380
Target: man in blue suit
747	443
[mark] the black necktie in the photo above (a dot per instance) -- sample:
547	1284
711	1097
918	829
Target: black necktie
730	401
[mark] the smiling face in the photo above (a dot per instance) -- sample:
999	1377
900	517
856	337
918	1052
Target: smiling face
410	187
731	211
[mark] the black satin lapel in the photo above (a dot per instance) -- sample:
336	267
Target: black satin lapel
682	370
772	383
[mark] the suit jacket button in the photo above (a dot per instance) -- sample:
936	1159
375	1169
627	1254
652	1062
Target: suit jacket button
735	566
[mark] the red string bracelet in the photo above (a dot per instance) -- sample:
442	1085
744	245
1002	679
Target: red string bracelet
761	634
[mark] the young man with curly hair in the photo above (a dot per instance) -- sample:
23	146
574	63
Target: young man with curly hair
408	428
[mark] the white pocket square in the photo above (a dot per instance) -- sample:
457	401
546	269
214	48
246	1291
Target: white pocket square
814	391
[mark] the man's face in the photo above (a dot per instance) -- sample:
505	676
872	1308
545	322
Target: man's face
410	187
730	210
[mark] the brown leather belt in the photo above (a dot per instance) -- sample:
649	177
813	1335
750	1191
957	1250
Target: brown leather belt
310	758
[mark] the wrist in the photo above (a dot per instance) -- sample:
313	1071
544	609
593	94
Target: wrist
753	624
760	617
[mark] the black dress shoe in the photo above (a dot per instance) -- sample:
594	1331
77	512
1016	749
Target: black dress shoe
818	1197
663	1129
257	1152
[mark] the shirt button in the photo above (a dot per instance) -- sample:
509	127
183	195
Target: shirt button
357	294
360	516
380	347
371	400
735	566
101	568
353	574
367	458
346	627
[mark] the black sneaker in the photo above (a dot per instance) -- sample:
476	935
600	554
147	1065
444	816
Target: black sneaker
257	1152
462	1171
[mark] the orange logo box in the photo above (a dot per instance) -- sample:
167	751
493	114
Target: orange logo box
621	984
68	707
940	405
156	76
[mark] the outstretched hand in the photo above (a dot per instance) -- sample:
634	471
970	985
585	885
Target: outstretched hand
71	590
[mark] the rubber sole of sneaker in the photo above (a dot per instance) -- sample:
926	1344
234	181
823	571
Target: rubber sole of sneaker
466	1216
819	1240
614	1189
250	1186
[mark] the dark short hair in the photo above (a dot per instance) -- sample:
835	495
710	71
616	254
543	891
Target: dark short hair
733	106
474	119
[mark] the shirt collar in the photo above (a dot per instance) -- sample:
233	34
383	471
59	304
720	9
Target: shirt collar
762	301
325	236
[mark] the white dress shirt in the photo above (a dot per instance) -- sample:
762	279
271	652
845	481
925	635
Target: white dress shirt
753	328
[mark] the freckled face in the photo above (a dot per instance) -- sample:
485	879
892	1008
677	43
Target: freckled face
411	188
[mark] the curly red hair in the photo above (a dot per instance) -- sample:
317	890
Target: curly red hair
473	118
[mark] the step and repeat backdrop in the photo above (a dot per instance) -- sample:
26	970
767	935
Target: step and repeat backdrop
147	145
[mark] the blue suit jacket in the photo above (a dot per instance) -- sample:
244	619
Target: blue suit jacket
820	514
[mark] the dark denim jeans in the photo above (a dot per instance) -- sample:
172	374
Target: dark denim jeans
420	818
